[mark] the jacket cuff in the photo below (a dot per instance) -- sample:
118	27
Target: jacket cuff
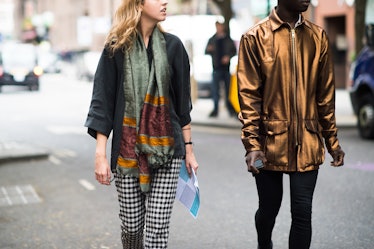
251	144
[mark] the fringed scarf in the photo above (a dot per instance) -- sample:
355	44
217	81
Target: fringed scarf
147	138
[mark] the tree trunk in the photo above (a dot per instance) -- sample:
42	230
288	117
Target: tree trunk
359	24
226	11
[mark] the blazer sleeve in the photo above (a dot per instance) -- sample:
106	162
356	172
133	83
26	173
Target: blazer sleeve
101	112
180	81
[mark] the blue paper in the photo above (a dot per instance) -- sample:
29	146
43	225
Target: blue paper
188	190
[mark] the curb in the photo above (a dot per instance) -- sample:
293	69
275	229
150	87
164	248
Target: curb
15	151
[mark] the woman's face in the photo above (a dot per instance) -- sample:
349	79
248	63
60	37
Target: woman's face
154	10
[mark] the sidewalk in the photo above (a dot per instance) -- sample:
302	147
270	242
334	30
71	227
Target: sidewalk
12	150
202	108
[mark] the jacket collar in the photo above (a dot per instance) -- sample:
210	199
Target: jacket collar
276	22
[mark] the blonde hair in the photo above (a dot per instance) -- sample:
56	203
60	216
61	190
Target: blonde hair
124	29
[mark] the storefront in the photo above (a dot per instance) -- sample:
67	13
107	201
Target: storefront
337	18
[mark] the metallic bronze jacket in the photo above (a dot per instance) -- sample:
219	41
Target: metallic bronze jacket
287	94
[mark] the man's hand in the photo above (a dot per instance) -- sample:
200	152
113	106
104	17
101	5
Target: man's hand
251	158
338	157
225	60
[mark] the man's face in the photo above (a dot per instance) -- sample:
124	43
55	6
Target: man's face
295	5
220	28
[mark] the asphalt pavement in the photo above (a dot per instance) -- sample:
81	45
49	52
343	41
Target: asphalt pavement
67	214
20	150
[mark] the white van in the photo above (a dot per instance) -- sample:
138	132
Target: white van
195	31
19	65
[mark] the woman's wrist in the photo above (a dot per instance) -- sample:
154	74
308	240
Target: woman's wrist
100	154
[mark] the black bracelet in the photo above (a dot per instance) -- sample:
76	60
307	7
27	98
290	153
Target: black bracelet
186	143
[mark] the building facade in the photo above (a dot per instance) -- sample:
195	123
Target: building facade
67	24
337	18
83	24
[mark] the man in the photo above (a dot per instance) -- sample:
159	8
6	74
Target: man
222	48
287	101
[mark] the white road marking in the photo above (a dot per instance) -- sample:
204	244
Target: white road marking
63	130
6	196
54	160
20	192
18	195
65	153
86	184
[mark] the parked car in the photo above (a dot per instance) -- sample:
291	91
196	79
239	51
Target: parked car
18	66
362	91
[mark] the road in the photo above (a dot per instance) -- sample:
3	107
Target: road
63	207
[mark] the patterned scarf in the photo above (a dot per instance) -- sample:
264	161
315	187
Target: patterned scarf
147	137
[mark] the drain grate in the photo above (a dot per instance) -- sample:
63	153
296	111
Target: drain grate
18	195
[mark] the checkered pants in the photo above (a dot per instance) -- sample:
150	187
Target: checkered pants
147	213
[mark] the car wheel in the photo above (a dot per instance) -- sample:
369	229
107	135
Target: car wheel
365	117
34	87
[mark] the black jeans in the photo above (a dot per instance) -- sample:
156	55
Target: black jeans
218	76
270	192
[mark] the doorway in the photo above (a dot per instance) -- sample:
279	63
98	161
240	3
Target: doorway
336	30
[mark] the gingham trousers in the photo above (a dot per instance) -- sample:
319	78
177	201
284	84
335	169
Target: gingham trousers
150	213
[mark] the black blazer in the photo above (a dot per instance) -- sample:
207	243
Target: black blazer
107	104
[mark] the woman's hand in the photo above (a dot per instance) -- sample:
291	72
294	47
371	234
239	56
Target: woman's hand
102	170
191	163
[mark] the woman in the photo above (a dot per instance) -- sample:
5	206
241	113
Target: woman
142	93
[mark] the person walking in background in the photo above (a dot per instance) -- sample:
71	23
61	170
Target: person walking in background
141	93
222	48
287	100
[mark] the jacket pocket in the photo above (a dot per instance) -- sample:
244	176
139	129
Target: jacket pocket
312	150
276	142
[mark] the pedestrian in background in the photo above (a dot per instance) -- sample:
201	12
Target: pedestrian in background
287	100
221	48
141	93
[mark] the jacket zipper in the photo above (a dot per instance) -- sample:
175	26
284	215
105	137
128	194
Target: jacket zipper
295	86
